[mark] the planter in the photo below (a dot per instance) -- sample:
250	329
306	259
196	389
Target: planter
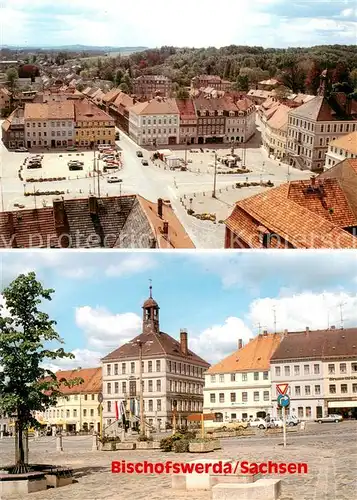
144	445
125	446
204	447
54	481
110	446
216	444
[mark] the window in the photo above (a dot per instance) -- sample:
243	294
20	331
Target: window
169	365
316	369
233	377
297	390
109	406
233	397
67	414
76	397
116	387
123	368
109	388
266	395
256	395
244	397
256	375
300	412
354	367
332	389
221	397
158	365
265	375
92	412
317	390
150	386
277	371
213	378
307	390
354	388
158	405
344	388
308	411
296	370
123	387
221	378
331	369
158	385
92	397
306	369
85	397
151	405
212	397
233	416
150	366
244	377
287	371
343	368
84	413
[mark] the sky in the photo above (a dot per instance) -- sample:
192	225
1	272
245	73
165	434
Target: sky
219	297
203	23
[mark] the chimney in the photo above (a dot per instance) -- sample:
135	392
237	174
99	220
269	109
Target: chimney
93	205
166	229
159	207
152	243
333	327
240	343
265	333
59	213
312	179
183	342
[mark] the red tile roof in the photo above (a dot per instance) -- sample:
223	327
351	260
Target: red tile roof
186	108
327	109
92	381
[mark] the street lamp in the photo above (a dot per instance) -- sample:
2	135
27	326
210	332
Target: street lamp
214	176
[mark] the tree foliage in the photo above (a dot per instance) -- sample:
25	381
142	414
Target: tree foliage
27	335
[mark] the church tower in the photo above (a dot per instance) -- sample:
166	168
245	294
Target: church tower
151	315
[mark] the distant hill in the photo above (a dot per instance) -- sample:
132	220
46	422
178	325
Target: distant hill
77	48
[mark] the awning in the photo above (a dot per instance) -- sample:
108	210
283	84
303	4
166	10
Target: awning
342	404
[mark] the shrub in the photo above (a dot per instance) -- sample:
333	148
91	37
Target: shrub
109	439
166	444
145	438
181	446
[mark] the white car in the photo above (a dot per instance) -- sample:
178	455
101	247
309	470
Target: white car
276	422
329	418
258	422
114	178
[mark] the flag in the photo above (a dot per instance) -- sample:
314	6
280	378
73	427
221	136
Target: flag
116	410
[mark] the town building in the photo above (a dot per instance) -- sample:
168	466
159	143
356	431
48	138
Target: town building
92	125
316	213
240	124
312	126
149	86
172	375
321	369
49	125
341	148
77	409
5	101
211	122
211	81
127	221
13	130
239	386
6	425
269	84
119	110
188	121
156	122
274	130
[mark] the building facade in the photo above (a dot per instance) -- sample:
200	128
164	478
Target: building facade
5	101
312	126
149	86
321	370
93	126
239	387
211	81
188	121
172	375
77	409
155	123
240	124
340	149
274	131
13	130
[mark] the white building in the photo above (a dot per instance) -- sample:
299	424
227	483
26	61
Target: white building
155	123
312	126
321	370
172	374
240	123
239	386
49	124
340	149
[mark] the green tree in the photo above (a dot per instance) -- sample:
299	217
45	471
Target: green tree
26	337
12	77
182	93
118	77
126	80
243	82
124	88
353	78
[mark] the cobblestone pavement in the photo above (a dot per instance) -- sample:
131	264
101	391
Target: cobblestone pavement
330	452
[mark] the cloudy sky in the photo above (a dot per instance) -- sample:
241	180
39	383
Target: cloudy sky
268	23
217	297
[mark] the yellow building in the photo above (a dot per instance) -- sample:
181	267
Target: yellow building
92	125
78	409
274	131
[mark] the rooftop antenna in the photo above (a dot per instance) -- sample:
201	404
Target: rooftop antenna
341	313
150	288
274	311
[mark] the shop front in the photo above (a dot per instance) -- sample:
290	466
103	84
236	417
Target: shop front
347	409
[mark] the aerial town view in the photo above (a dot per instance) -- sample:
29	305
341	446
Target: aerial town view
154	161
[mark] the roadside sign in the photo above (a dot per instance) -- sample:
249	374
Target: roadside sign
100	397
283	400
282	388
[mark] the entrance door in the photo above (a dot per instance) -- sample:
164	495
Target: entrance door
318	411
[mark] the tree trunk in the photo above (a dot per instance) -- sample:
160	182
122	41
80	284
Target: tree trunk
20	465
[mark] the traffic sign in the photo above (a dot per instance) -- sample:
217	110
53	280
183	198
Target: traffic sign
283	400
282	388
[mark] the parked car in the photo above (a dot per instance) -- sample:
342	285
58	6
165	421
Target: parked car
292	420
329	418
258	422
139	154
145	163
21	150
275	422
75	165
114	178
34	164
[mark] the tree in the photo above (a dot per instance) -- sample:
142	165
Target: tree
243	82
282	92
118	77
26	334
353	78
182	93
126	80
12	77
292	74
124	88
